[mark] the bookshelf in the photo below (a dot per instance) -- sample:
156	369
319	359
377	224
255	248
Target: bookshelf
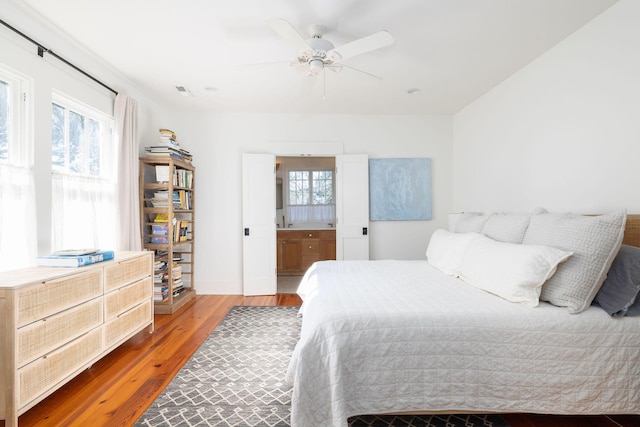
167	210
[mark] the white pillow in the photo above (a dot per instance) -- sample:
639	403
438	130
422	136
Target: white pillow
446	250
594	240
512	271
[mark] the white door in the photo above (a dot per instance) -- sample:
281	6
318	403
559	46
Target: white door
352	206
258	222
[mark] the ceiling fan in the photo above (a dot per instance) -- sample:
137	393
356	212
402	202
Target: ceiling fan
319	54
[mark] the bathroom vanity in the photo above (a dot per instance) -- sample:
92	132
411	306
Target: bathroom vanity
299	248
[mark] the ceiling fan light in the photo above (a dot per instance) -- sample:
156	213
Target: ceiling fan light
315	66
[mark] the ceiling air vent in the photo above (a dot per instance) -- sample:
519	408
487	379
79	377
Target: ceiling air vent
183	91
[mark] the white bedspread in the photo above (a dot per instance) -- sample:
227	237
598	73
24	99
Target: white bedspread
396	336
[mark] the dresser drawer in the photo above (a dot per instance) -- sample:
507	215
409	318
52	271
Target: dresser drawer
38	376
127	322
45	335
128	271
47	298
123	298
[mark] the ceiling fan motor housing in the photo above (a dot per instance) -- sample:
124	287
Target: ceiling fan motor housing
320	48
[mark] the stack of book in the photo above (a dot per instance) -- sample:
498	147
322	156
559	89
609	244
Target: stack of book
74	258
160	291
160	229
168	146
168	137
160	287
176	273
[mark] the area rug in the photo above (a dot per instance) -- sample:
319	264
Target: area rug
236	379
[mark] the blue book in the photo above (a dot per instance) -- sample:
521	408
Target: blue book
74	260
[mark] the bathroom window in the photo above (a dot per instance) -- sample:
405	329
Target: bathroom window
310	196
310	187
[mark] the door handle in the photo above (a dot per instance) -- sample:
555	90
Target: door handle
246	231
364	231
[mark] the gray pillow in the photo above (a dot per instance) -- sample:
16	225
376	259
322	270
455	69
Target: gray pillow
618	294
509	228
594	241
471	222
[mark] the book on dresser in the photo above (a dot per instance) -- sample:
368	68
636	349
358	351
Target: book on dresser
69	258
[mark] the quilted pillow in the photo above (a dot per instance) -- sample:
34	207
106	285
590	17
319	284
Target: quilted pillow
471	222
594	241
508	228
512	271
446	250
618	295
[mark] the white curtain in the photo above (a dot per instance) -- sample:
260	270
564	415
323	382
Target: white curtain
83	214
18	241
128	221
311	213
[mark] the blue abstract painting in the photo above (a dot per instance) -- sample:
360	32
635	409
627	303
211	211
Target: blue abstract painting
400	189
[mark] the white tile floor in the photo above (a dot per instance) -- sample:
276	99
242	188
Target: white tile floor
288	284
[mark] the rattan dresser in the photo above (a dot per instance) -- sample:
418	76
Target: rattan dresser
56	322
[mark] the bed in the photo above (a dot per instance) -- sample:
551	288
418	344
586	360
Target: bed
394	336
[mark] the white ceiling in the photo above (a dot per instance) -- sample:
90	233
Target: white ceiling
452	50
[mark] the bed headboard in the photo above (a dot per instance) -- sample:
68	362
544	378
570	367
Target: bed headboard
632	230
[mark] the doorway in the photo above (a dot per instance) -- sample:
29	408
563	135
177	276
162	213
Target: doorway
350	229
305	216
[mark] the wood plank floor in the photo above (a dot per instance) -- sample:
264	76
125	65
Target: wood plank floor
117	389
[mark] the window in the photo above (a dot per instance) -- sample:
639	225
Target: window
83	164
79	143
17	190
310	187
4	120
15	143
310	196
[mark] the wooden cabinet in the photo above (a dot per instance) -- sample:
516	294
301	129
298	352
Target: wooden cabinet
167	209
299	249
327	245
289	254
56	322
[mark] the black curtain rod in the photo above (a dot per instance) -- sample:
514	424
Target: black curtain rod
42	50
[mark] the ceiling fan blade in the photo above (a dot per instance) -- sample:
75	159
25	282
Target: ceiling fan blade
289	33
365	44
337	66
270	64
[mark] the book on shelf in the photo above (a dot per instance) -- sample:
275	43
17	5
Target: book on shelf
74	260
168	133
162	173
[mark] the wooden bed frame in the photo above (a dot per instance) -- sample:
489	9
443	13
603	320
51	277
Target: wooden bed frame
632	230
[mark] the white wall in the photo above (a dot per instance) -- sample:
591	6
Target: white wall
48	73
564	132
218	141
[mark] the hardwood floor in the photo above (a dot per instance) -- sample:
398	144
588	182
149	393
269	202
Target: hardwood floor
117	389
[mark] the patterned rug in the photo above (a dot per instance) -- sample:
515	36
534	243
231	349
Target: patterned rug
235	379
